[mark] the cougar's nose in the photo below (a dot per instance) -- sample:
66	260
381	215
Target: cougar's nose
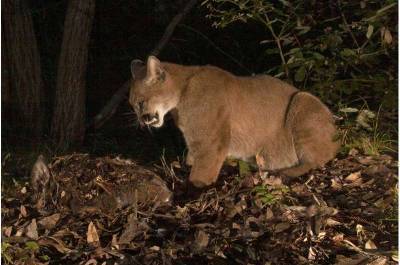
146	117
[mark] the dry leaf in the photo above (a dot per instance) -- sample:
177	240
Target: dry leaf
201	240
386	35
176	164
321	235
23	190
360	231
50	221
132	229
370	245
376	170
370	30
336	185
31	230
54	242
92	236
311	253
353	176
7	231
248	181
114	242
354	179
182	212
379	261
23	211
260	160
100	253
353	260
281	227
66	232
269	214
353	152
366	160
331	222
155	248
236	226
338	238
368	183
91	262
383	203
129	232
19	232
273	181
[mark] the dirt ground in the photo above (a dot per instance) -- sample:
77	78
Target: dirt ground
79	209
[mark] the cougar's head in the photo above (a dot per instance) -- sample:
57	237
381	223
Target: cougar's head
152	93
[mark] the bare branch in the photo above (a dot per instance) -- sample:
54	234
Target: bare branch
109	109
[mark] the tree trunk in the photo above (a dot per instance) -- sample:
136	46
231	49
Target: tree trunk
21	81
68	124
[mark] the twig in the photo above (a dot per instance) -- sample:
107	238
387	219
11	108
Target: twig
351	246
171	27
347	25
216	47
277	39
111	106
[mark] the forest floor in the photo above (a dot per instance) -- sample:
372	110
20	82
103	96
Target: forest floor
83	209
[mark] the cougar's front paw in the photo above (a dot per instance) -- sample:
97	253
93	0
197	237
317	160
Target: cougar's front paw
201	183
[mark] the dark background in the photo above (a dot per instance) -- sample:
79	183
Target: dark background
124	30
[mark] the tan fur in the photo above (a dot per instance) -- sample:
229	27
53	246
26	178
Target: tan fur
224	115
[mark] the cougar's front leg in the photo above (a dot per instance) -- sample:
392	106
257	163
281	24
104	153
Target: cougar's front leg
207	164
208	150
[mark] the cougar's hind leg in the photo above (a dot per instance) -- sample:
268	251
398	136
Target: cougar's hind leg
298	170
313	129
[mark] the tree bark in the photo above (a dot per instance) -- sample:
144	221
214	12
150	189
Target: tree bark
68	124
22	84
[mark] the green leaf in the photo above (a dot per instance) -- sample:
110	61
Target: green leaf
285	3
370	30
244	168
348	52
300	74
318	56
303	29
44	258
32	245
272	51
293	51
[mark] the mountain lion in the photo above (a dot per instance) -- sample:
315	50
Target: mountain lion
222	115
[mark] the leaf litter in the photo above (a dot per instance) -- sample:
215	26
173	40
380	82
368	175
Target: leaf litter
80	209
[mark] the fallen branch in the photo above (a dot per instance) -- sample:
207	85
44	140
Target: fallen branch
111	106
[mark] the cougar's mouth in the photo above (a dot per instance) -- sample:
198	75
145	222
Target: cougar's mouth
150	119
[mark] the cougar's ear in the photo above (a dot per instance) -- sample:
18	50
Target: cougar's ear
155	71
136	65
